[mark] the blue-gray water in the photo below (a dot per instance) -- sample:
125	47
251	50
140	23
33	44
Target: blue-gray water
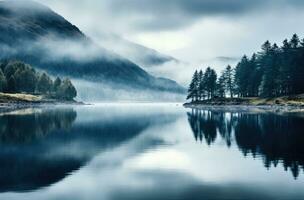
150	151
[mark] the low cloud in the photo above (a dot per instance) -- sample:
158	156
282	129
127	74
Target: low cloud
156	15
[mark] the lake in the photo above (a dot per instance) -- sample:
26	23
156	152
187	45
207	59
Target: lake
150	151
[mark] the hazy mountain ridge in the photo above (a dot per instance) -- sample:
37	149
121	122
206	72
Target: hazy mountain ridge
139	54
35	34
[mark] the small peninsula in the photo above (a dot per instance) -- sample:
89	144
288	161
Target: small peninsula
22	86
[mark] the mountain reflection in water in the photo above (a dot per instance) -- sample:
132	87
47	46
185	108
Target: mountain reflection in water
278	139
147	151
40	147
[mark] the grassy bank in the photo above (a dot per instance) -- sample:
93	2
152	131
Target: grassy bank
20	98
295	100
16	101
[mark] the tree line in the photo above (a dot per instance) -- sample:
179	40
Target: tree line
274	71
18	77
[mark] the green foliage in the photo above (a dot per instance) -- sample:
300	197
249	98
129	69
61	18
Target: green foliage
11	85
57	84
22	78
2	81
202	85
276	71
26	79
44	84
228	80
66	90
192	91
221	85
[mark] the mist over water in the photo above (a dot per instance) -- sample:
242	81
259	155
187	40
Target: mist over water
150	151
94	92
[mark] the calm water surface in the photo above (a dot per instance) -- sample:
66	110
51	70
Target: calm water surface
150	151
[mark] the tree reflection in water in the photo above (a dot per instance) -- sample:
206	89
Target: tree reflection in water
277	139
26	125
41	147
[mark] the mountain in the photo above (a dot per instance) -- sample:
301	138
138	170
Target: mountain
33	33
139	54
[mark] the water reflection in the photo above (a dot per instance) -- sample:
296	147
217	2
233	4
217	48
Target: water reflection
276	139
27	125
40	147
147	152
24	164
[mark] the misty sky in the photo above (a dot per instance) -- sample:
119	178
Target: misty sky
191	30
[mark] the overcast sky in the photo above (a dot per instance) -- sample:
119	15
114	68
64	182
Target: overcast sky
191	30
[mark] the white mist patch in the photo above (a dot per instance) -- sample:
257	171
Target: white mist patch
104	92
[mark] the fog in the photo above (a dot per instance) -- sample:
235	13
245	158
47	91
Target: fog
173	38
188	30
92	92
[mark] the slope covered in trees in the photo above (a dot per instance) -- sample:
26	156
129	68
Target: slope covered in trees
18	77
274	71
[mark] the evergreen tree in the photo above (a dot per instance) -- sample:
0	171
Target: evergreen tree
228	77
255	77
209	80
66	90
272	72
11	68
242	77
193	88
221	85
269	80
2	81
44	84
57	84
11	85
212	82
295	41
285	81
19	77
200	86
26	80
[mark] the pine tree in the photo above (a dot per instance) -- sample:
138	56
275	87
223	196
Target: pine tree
57	84
11	85
295	41
255	77
209	80
221	85
242	77
200	85
44	84
193	88
2	81
269	80
228	77
212	82
272	72
67	91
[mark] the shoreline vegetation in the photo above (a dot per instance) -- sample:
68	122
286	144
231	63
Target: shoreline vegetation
22	86
295	101
272	77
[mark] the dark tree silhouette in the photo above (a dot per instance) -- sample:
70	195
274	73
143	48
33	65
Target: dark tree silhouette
278	139
272	72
